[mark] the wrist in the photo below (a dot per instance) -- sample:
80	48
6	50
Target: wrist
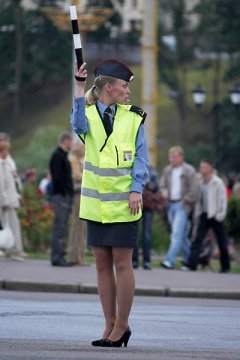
136	187
79	91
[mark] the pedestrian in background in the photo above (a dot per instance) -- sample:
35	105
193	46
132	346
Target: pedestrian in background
62	194
11	163
9	202
78	230
151	202
30	191
44	183
211	208
115	172
178	187
30	180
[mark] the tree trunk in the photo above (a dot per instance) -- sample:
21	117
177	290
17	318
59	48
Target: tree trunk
18	62
181	104
217	77
217	108
179	23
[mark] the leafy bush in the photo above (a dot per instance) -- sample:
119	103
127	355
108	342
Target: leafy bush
198	151
232	221
36	218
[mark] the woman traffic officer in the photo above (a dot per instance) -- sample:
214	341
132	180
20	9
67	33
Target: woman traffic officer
115	172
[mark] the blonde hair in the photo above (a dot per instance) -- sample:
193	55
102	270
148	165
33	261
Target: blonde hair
92	95
78	148
4	145
176	149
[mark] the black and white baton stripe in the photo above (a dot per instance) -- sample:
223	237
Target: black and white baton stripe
76	39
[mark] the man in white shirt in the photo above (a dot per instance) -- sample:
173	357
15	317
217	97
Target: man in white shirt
211	209
178	187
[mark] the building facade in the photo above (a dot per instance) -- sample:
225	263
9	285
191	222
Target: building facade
131	11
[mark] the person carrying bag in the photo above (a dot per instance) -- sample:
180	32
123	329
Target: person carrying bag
9	202
6	238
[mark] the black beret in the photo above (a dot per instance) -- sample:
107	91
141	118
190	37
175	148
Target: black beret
115	68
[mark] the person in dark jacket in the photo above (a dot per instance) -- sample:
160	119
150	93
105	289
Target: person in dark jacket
62	195
151	202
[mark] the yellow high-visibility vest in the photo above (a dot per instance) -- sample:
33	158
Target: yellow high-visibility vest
107	173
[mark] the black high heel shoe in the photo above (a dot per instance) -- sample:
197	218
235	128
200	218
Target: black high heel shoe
123	340
98	342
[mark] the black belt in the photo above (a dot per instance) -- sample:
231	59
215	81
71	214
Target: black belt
175	201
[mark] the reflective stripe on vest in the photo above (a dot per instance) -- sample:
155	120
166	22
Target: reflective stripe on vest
107	171
106	196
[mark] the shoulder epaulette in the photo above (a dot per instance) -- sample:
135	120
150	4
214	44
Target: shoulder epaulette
138	111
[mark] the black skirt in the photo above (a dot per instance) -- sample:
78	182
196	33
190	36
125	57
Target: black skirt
124	234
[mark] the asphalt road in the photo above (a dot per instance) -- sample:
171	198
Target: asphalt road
36	326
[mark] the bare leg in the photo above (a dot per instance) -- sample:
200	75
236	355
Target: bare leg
106	286
122	258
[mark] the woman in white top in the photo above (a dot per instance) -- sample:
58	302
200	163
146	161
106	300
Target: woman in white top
9	201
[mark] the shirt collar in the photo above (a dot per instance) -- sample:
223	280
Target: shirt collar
102	107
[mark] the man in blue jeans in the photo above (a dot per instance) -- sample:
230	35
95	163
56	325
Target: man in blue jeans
178	187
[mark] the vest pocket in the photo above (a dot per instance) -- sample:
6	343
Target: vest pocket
126	155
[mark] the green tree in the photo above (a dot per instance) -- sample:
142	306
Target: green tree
229	138
219	31
173	63
215	31
40	54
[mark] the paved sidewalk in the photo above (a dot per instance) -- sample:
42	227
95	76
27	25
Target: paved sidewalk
39	275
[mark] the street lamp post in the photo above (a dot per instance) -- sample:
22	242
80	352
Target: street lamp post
235	94
199	96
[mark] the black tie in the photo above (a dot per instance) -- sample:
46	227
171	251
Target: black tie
106	121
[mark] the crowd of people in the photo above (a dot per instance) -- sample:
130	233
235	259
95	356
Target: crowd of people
196	207
204	198
195	204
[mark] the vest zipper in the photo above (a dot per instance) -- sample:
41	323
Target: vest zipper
117	155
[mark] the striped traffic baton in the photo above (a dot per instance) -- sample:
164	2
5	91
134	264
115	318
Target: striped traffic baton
76	39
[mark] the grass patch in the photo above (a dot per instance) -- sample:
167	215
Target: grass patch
215	264
89	258
156	259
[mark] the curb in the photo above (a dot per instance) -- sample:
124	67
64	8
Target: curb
39	286
92	289
204	293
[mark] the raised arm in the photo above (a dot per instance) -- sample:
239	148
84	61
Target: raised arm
79	121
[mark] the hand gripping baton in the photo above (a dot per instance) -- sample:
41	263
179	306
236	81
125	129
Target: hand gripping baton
76	39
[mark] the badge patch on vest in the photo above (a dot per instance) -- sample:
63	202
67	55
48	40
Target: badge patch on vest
127	155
